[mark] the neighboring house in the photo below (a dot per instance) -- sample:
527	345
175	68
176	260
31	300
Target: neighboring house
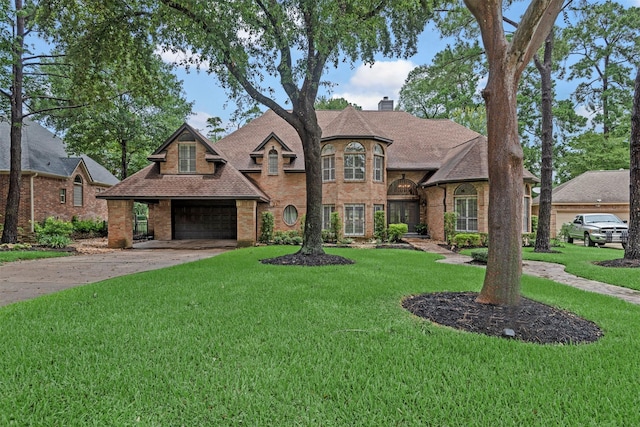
414	169
53	183
590	192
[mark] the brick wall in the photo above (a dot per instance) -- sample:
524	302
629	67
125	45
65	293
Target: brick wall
160	220
46	197
170	167
120	223
246	214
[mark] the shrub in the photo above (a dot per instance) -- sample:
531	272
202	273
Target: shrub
449	226
534	223
463	240
564	232
528	239
54	233
484	239
480	255
291	237
380	226
336	226
396	231
89	226
266	234
422	229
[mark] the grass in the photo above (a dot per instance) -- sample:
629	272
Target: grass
229	341
9	256
579	261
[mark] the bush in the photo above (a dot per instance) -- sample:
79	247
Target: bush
380	226
266	233
422	229
93	227
528	239
54	233
396	231
287	238
564	232
484	239
534	223
465	240
480	255
336	226
449	226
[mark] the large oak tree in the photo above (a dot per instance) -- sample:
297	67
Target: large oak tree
507	58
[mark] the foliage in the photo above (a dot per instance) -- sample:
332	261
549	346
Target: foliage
480	255
564	231
534	223
54	233
396	231
465	240
95	227
266	233
324	103
215	130
592	151
422	229
449	226
291	237
336	226
528	239
380	226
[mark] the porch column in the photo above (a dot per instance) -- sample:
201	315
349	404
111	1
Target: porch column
246	213
120	232
162	220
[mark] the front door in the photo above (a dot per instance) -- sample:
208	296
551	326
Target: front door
406	212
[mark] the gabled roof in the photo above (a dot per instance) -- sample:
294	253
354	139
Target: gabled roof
213	154
148	184
271	136
351	123
418	144
467	162
608	186
43	152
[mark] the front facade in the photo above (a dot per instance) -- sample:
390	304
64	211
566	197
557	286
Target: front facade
53	183
413	169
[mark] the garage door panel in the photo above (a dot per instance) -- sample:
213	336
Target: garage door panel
193	220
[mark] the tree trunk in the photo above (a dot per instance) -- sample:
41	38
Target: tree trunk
504	264
310	135
632	251
10	230
543	234
124	170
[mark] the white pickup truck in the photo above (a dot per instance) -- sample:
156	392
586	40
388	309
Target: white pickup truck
598	228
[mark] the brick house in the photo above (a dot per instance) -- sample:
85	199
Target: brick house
53	183
590	192
414	169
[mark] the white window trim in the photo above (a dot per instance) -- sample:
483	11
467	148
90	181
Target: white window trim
189	162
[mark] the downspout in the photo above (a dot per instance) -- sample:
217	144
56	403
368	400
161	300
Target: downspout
31	201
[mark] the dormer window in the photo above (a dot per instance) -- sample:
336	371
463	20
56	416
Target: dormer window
378	163
354	162
187	158
328	163
273	162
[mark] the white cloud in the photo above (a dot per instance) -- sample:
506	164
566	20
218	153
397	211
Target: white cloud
369	84
198	120
181	58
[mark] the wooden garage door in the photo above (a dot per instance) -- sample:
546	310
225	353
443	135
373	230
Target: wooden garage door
201	219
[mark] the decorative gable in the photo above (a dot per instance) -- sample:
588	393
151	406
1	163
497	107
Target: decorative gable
269	145
187	152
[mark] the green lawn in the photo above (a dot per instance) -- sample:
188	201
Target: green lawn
578	260
9	256
229	341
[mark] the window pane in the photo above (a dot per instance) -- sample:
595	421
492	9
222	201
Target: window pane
187	158
273	163
290	215
354	220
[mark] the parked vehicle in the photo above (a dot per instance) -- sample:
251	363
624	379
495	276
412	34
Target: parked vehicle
598	228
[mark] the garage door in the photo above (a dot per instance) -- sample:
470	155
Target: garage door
197	219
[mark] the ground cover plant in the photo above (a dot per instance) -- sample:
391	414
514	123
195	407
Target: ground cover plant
230	340
583	262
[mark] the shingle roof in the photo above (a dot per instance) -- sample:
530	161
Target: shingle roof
417	144
467	162
608	186
43	152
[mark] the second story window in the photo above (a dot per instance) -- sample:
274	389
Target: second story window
187	158
273	162
328	163
378	163
354	162
77	191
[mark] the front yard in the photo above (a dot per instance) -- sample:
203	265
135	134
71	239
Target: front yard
229	341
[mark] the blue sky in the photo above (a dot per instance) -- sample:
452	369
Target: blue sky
361	84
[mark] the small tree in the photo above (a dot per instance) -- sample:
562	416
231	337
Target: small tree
449	226
380	226
336	226
266	235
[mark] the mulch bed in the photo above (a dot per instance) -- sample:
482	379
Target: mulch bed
628	263
531	321
307	260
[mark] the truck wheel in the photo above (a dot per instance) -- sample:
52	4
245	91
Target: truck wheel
587	240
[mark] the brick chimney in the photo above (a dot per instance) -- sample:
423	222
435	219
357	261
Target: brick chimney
386	104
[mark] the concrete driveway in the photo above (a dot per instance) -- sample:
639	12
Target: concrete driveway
22	280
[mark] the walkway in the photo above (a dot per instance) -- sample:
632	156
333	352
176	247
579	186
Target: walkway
546	270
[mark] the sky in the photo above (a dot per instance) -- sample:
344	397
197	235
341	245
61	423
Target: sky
363	85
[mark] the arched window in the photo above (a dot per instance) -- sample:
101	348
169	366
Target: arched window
465	199
273	162
402	187
354	162
77	191
378	163
290	215
328	163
